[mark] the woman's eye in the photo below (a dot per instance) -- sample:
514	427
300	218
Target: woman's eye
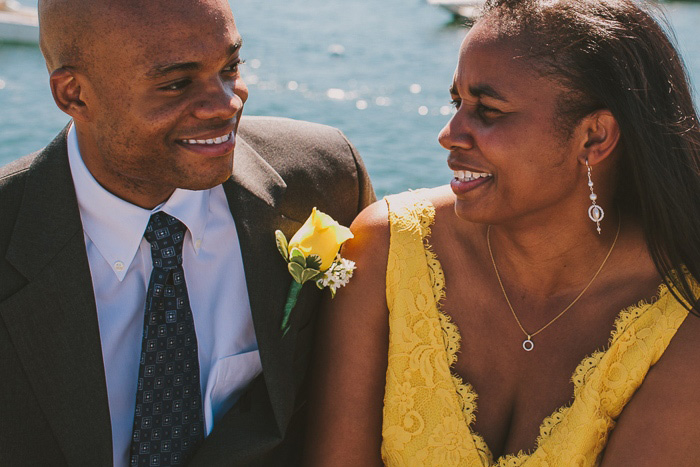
456	103
486	112
176	86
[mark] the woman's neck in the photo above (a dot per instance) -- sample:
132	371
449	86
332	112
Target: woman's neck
555	258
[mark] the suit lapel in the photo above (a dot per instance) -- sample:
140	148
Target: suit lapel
254	193
52	321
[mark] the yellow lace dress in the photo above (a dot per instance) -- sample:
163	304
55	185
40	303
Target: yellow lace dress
429	410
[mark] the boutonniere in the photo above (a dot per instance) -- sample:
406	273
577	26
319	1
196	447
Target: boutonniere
312	255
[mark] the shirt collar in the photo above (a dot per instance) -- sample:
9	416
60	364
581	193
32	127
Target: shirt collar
116	226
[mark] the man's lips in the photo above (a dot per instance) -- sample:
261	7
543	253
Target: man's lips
210	146
208	141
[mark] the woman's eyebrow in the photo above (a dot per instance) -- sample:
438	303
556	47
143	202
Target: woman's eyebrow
486	90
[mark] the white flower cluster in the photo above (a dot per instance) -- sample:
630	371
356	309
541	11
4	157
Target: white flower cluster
338	275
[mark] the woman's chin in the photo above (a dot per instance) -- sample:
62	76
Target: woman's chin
473	212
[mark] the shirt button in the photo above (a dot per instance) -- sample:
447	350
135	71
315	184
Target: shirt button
198	243
119	266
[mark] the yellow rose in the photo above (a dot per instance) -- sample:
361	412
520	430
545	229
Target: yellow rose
322	236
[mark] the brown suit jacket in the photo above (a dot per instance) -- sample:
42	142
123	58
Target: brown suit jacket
53	396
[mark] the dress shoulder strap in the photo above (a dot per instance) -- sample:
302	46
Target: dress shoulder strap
410	216
410	211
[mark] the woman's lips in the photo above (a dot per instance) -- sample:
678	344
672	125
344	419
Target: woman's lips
465	181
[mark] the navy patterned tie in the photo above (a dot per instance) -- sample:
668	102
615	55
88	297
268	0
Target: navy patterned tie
168	420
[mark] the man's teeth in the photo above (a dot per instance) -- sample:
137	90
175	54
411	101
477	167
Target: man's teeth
467	176
217	140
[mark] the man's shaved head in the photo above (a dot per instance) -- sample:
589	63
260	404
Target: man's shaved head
71	29
65	35
140	79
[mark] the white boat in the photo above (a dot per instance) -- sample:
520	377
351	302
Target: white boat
18	23
460	8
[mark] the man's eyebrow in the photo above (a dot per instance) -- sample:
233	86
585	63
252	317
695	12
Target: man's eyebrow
159	71
486	90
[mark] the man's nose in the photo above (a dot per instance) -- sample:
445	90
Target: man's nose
222	99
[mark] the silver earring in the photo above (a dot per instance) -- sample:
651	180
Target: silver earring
595	212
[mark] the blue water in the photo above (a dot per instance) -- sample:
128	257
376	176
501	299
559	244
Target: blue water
378	70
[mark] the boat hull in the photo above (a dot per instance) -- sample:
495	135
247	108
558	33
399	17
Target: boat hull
462	8
19	28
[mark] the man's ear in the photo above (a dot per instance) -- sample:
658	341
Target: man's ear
68	93
601	136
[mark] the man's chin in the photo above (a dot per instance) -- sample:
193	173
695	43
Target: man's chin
205	183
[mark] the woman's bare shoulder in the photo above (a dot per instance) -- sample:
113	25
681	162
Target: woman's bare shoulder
371	234
661	423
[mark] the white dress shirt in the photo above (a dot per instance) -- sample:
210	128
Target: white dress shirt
120	265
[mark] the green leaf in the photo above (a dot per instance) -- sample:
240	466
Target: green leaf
296	270
309	274
282	244
298	257
313	262
318	284
332	293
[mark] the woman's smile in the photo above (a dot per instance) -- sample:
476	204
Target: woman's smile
465	181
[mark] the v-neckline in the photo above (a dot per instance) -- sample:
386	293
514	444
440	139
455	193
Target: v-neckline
466	393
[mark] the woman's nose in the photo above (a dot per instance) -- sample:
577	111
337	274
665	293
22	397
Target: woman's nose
456	133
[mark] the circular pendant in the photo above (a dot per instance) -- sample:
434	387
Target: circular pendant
528	345
596	213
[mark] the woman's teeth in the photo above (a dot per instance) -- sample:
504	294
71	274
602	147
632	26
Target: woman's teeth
218	140
467	176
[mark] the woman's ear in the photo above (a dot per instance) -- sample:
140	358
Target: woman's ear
68	93
602	134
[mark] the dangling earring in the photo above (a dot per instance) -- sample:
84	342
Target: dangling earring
595	212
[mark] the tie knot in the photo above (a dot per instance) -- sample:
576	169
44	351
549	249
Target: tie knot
165	234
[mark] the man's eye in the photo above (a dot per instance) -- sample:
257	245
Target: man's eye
233	67
456	103
176	85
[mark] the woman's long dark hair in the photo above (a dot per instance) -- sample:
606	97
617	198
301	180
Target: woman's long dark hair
613	54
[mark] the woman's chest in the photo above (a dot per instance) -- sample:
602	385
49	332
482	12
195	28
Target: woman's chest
518	389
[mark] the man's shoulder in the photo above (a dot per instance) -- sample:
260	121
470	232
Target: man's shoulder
17	172
13	178
277	136
263	126
16	169
319	166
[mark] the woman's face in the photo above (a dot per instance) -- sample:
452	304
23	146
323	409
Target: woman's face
504	132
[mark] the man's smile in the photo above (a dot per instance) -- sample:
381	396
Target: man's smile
209	141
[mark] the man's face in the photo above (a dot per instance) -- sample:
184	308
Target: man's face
165	98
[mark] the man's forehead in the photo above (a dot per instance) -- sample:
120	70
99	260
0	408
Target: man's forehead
175	37
172	18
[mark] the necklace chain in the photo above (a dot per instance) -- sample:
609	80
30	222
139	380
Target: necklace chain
528	345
